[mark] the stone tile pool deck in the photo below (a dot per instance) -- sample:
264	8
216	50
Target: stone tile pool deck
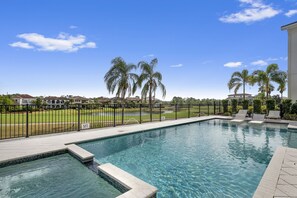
279	179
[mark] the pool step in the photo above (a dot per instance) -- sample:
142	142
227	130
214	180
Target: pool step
291	126
80	153
135	187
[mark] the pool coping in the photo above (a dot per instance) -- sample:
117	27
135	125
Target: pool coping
16	151
135	186
280	177
268	183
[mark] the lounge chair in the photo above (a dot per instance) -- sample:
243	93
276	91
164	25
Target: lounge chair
258	119
273	115
240	116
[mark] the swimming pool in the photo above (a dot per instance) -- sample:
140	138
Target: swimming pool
205	159
57	176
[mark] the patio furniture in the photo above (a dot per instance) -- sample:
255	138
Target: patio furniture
240	116
258	119
273	115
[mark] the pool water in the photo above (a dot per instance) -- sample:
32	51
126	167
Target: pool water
58	176
205	159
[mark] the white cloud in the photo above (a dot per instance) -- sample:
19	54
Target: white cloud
256	10
291	13
271	59
73	27
149	55
21	45
233	64
178	65
64	42
259	63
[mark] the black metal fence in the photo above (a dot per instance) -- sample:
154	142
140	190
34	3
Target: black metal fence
29	120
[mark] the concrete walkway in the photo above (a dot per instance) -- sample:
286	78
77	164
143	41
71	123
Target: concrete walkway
280	177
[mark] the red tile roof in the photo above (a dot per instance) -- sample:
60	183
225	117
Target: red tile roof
23	96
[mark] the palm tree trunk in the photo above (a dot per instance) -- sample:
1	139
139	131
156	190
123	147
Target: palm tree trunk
243	90
123	106
150	103
267	91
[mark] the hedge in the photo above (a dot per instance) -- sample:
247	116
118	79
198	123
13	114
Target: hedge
245	104
270	104
225	106
234	105
294	108
257	106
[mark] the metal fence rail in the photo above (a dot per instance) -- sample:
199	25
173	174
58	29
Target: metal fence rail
24	121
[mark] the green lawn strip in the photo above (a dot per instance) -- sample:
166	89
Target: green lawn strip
96	115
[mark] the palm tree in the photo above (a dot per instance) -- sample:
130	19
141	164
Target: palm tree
265	78
281	79
152	80
120	78
240	79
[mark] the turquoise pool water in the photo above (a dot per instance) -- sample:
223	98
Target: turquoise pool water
204	159
58	176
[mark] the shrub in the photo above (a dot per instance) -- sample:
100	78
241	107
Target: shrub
250	110
257	106
288	116
239	101
227	114
245	104
239	108
277	99
234	105
229	109
294	108
270	104
287	103
225	105
264	109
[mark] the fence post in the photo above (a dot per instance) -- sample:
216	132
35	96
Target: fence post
189	111
151	112
123	108
160	112
78	117
140	105
114	115
207	108
219	107
27	120
176	111
214	107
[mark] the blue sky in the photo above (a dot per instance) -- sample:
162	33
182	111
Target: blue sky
53	47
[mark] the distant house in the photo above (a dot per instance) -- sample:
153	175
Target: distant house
115	100
292	59
136	99
23	99
79	100
240	96
55	102
103	100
